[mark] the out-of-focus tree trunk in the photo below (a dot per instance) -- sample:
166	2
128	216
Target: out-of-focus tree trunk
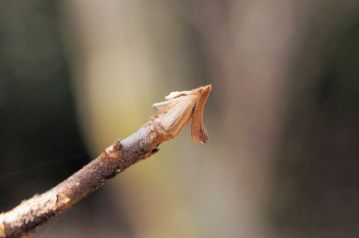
250	45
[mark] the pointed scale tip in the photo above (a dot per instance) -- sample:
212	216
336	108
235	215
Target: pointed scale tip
208	87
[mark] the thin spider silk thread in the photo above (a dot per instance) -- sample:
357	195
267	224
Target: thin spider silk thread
41	165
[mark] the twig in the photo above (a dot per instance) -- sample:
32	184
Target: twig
173	115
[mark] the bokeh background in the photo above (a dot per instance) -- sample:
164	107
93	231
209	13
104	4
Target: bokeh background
283	117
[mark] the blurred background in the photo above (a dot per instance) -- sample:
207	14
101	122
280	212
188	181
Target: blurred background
283	117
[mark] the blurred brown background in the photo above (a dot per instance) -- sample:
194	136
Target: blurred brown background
283	117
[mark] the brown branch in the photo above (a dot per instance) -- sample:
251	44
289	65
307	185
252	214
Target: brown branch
173	115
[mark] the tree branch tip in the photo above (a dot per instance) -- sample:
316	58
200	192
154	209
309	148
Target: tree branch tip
173	114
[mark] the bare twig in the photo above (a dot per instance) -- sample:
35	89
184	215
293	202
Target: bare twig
173	115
